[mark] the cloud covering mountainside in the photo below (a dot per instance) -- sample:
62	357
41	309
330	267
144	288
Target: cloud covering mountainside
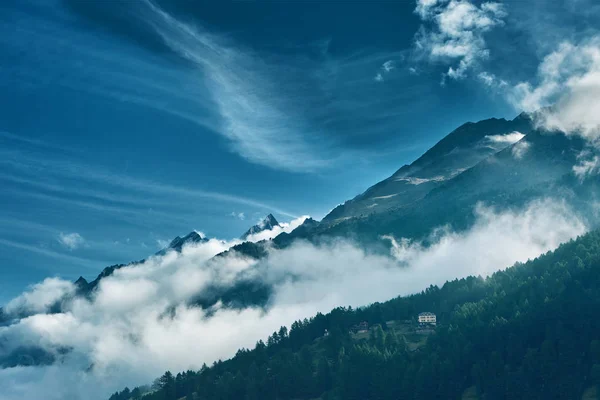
141	320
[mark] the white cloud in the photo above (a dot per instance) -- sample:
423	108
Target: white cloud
388	65
568	80
508	138
520	149
588	164
126	335
491	80
516	231
454	32
386	68
241	216
424	7
40	297
71	241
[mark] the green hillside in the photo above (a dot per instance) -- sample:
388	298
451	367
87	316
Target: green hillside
528	332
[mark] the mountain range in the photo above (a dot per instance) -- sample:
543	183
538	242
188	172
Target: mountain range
497	162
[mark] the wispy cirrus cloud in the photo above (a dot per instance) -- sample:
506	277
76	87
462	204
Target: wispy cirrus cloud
12	138
287	112
80	262
157	195
305	110
454	33
240	104
261	127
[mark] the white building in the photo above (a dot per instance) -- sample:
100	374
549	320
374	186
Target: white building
427	318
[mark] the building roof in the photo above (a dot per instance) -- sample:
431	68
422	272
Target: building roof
426	314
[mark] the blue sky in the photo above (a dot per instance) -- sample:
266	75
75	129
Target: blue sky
126	123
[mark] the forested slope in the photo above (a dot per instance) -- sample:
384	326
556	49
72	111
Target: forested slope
528	332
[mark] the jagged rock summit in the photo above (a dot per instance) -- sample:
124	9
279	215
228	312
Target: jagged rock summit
178	243
267	224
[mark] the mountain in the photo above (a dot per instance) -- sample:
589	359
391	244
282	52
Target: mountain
539	165
527	332
178	243
240	295
267	224
496	162
458	151
85	288
258	250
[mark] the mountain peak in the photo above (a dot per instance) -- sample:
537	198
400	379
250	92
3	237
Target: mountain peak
457	152
192	237
266	224
81	281
270	220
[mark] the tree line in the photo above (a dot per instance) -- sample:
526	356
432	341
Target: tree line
528	332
